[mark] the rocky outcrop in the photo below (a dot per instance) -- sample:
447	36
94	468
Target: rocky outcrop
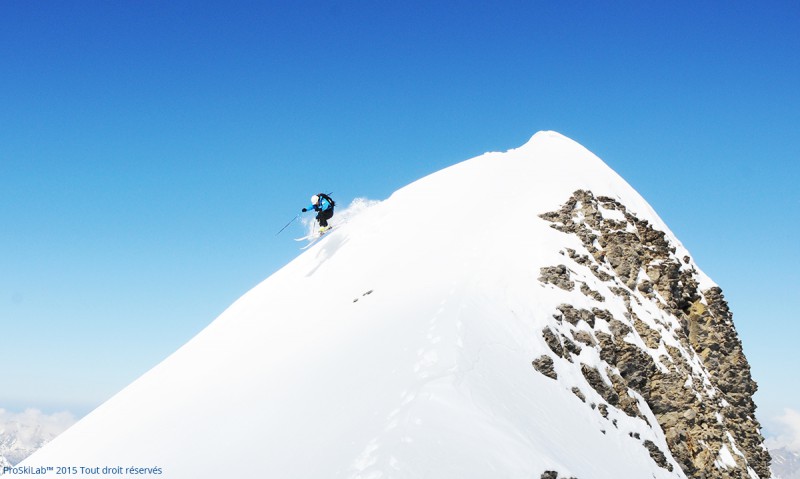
557	275
683	364
553	475
544	364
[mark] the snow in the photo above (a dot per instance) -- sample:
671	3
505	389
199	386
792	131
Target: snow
23	433
725	459
429	375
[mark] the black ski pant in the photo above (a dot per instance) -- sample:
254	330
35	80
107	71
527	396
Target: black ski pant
324	216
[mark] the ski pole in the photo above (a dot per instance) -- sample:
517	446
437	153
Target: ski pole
287	224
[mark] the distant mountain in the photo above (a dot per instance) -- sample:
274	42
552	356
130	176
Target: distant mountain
785	463
519	314
23	433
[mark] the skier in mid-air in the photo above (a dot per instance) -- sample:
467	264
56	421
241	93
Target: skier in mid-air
323	205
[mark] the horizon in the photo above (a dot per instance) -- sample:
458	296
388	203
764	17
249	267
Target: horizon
150	152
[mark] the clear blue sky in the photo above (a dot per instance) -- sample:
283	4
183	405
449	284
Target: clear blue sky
150	150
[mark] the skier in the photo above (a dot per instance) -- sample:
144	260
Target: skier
323	205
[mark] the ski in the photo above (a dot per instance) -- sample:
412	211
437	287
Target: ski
313	238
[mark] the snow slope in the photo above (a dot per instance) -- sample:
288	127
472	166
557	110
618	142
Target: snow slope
400	345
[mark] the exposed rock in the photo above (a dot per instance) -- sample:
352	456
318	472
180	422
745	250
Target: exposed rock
572	315
553	475
603	408
585	337
553	342
595	380
657	455
650	336
625	402
582	259
558	276
577	391
600	274
570	346
586	290
619	329
601	314
696	411
544	364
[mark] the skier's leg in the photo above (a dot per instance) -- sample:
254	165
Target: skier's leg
324	216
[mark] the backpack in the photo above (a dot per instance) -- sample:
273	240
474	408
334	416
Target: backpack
330	200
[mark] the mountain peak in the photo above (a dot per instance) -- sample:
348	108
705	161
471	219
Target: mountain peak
519	314
554	142
549	135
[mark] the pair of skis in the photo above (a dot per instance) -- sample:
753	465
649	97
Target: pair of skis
313	237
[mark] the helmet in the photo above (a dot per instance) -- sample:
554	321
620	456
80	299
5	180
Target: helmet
314	200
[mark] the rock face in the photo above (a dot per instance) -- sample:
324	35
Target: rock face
682	364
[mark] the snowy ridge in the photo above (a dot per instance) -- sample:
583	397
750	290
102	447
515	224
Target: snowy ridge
396	348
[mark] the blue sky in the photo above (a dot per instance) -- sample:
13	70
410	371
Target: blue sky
149	151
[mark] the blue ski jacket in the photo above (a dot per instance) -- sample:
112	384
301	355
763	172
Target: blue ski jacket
322	206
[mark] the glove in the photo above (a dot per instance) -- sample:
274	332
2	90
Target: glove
304	210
